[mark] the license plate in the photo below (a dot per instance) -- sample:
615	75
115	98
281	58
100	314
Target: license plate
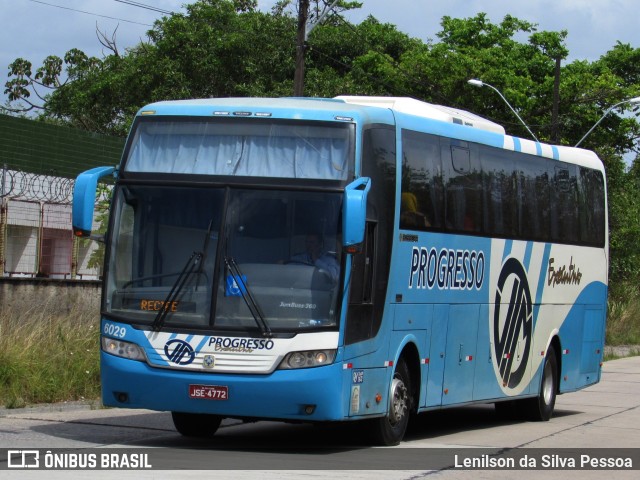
209	392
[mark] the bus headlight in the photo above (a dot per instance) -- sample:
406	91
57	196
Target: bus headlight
123	349
308	359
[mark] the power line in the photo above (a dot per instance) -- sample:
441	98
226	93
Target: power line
90	13
146	7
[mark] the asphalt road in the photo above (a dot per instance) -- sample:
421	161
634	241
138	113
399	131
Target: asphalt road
606	415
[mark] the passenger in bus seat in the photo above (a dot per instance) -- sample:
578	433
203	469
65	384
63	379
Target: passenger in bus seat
410	217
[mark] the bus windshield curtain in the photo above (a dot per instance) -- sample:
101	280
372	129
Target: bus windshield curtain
241	155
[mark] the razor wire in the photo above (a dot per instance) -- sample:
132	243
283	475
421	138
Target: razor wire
19	185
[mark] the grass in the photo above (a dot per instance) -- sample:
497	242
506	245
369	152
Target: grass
623	319
48	358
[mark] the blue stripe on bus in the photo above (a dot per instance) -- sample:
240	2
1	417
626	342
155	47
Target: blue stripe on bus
508	245
517	146
205	339
556	152
539	148
541	279
527	255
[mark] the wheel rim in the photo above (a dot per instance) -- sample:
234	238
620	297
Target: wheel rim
547	385
399	401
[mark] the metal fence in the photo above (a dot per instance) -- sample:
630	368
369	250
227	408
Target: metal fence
36	238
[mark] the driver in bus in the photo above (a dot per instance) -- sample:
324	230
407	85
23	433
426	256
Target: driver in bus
315	255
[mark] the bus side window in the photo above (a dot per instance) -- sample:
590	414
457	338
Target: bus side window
421	199
360	316
592	207
463	188
564	215
500	200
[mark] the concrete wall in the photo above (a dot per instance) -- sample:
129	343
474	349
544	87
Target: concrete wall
53	296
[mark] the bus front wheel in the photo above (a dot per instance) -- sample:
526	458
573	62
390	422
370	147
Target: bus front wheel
198	425
390	429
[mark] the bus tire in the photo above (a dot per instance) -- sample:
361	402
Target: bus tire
200	425
390	429
541	407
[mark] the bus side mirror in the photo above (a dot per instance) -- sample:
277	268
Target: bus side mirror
355	213
84	199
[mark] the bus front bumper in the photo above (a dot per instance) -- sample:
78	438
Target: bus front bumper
312	394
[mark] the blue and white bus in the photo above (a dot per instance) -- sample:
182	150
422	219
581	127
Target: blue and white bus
356	258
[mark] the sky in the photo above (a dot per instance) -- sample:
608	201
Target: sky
34	29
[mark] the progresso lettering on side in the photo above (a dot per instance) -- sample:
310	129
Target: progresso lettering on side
446	269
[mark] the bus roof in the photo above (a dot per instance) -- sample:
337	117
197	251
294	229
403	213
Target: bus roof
326	109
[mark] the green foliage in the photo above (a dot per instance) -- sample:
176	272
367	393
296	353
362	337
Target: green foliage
623	319
103	193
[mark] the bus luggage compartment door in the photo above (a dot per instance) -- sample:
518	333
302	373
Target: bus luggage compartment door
460	361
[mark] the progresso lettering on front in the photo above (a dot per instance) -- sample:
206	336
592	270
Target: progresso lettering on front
246	345
446	269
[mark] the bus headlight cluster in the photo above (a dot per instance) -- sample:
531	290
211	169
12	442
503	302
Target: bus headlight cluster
122	349
308	359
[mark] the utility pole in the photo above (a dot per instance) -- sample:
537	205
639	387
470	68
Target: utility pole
304	29
298	79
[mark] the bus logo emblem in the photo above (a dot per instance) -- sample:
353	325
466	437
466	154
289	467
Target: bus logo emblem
179	352
209	361
512	322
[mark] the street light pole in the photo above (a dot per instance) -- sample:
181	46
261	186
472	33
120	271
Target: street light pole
479	83
630	100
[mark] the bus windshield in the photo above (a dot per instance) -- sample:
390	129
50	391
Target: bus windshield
230	259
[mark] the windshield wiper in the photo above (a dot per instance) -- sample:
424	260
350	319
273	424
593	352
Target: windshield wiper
193	264
252	305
